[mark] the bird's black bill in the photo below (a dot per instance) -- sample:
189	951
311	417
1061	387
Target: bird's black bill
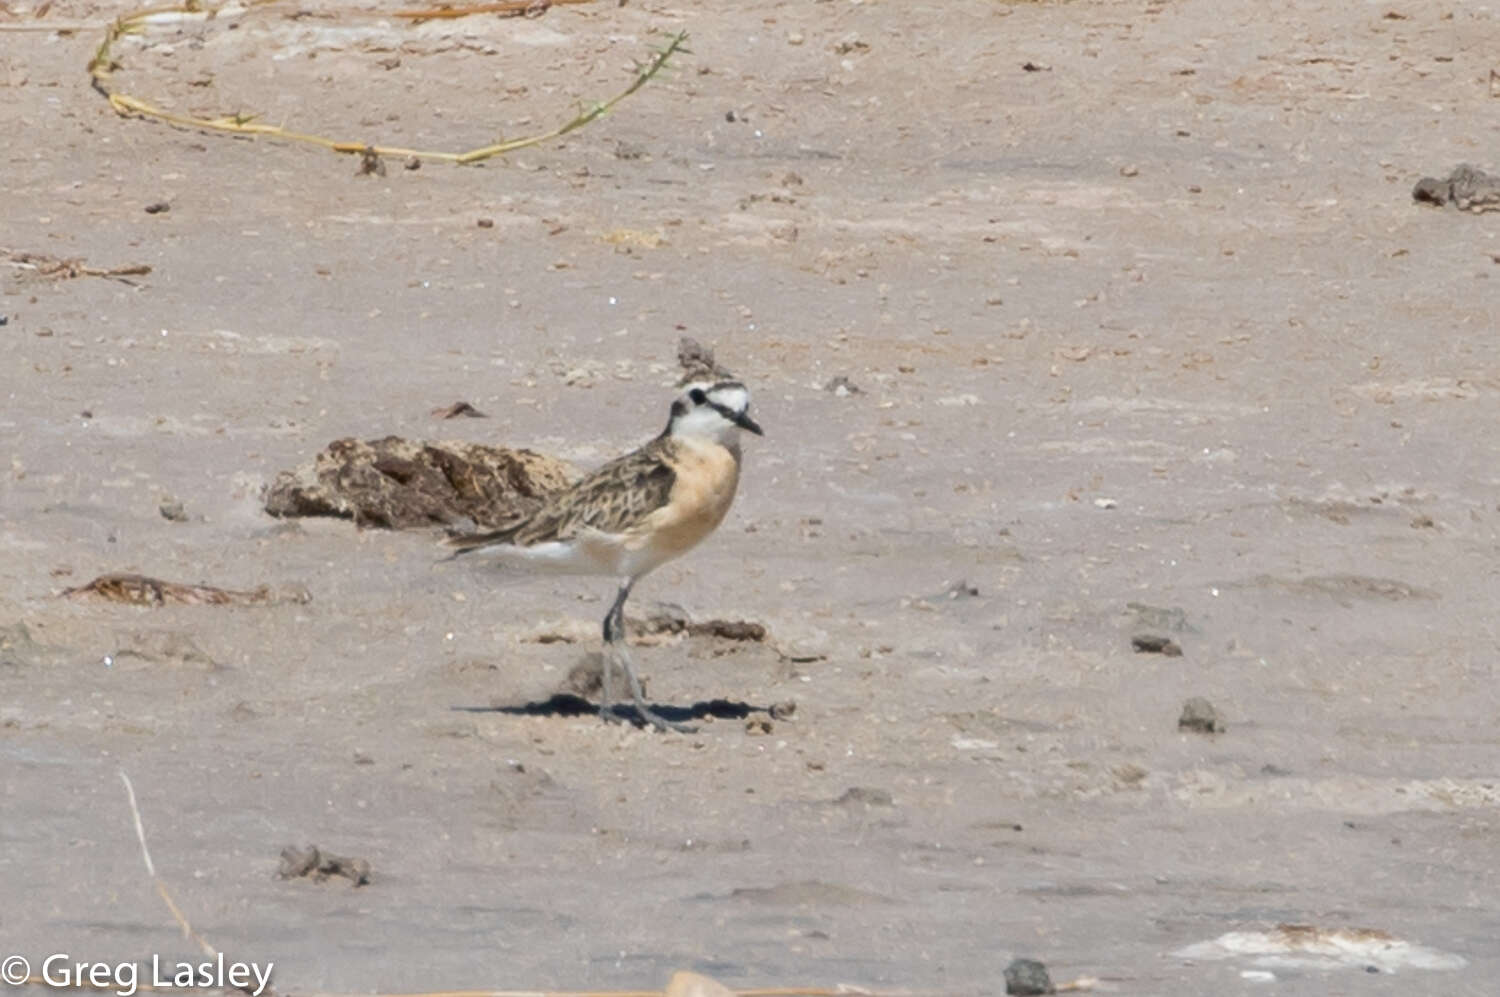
740	419
744	421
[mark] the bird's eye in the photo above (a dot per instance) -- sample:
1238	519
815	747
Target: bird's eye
698	397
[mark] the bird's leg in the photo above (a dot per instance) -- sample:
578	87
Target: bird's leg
614	645
607	685
614	628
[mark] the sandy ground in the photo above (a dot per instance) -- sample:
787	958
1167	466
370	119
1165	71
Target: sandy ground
1154	322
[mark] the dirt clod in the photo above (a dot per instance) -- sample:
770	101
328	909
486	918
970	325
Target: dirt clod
1156	644
1199	715
1467	188
143	590
665	621
1027	976
370	164
459	409
670	620
697	362
728	630
395	483
320	865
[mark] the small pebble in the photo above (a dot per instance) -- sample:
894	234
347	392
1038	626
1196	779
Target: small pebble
158	208
1027	976
1198	714
171	509
842	387
486	223
370	164
1156	644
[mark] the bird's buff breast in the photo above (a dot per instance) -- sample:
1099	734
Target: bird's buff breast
707	476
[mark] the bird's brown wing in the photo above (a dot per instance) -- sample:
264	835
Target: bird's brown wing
612	499
465	542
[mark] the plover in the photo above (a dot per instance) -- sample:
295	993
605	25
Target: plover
636	513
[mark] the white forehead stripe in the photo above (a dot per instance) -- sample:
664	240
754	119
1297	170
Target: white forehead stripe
734	397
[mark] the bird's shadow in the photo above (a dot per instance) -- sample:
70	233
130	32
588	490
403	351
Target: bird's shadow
566	704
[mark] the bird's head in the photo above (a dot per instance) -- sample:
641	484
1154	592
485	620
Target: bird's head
717	411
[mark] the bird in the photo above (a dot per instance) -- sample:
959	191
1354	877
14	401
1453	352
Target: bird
634	514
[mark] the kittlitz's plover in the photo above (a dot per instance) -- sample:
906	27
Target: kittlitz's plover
636	513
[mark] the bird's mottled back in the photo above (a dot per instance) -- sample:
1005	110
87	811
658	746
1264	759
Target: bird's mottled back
614	498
